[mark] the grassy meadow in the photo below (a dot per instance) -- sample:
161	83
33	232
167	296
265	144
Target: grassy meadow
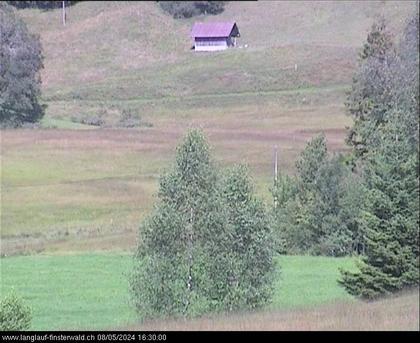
66	185
73	195
75	187
72	291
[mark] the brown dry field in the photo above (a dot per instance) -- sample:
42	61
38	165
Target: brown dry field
46	174
399	313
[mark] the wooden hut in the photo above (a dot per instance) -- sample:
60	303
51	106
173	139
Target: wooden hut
214	36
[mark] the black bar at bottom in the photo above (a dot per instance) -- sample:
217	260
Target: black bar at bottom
170	336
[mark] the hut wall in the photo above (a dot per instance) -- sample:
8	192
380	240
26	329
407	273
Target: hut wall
211	44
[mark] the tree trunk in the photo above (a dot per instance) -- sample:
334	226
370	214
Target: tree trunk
190	261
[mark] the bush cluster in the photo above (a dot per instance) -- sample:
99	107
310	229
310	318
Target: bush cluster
15	315
188	9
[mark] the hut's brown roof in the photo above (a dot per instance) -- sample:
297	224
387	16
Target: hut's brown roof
212	29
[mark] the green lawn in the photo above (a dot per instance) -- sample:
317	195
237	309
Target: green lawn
51	123
309	281
69	292
91	291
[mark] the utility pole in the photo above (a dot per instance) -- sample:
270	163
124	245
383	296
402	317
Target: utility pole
64	13
275	174
275	163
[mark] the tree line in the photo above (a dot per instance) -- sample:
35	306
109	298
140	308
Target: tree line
188	9
45	5
178	9
365	202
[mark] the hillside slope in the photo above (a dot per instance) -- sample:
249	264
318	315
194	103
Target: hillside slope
134	51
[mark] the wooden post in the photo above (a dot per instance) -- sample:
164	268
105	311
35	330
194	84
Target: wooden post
64	13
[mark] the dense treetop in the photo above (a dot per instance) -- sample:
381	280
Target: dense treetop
188	9
21	60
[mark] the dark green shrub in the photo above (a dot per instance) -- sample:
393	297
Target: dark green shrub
315	212
45	5
15	315
130	120
188	9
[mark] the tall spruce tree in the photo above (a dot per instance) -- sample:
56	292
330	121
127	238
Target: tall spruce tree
406	82
390	218
371	95
190	259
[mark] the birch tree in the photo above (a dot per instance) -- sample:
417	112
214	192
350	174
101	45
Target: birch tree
206	246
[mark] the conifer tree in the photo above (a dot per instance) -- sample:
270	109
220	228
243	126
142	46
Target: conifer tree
372	94
407	79
390	218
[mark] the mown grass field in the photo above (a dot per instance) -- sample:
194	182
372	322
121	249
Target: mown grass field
90	291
